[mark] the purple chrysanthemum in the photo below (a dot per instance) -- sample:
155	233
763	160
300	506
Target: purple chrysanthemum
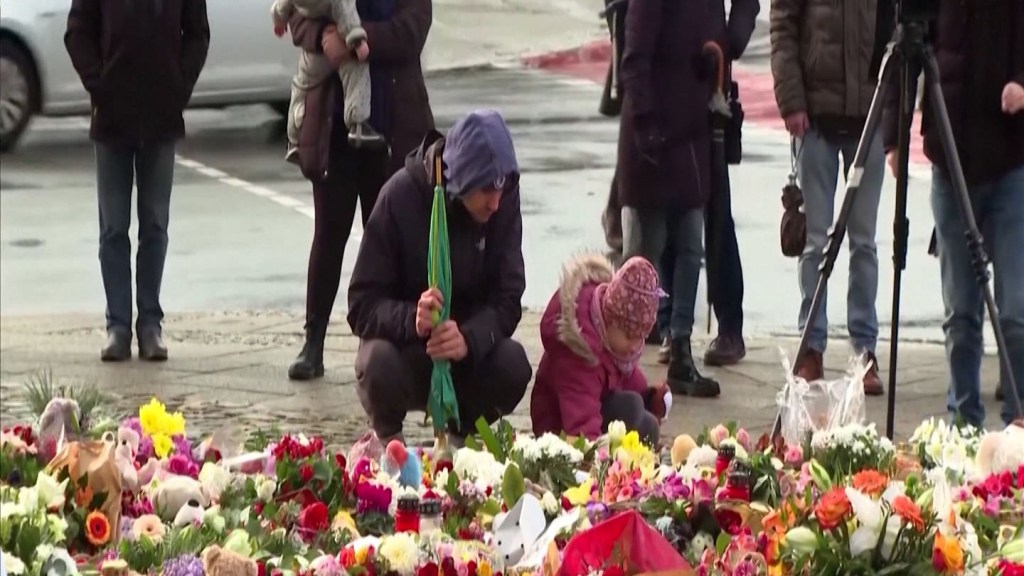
145	449
182	446
185	565
134	424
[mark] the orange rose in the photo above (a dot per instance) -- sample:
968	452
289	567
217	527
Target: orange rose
871	482
97	529
909	511
947	556
833	507
83	497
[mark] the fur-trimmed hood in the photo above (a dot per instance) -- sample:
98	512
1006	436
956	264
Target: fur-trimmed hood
576	273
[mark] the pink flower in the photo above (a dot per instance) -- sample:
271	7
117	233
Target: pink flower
743	437
717	435
794	455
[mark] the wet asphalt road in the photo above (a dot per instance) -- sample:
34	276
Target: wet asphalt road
241	217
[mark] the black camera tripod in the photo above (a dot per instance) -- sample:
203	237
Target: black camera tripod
908	54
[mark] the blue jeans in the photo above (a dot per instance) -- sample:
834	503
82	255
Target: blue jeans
648	233
151	168
729	305
818	170
999	210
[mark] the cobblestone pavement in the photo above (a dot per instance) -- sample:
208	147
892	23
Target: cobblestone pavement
229	369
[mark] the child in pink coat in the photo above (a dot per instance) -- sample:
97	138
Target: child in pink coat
593	333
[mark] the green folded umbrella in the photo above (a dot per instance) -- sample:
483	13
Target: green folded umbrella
442	405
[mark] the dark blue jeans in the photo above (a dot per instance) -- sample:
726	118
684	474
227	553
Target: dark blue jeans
729	300
999	209
151	170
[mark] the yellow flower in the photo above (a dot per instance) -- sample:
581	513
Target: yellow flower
484	569
401	552
172	424
580	495
361	553
162	445
150	416
631	442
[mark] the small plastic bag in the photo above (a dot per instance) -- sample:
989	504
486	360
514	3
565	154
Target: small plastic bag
809	407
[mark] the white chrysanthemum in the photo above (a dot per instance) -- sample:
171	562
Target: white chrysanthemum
479	467
527	447
554	447
402	553
550	504
702	456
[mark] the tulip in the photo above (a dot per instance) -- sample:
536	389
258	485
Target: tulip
802	540
1013	550
820	476
925	499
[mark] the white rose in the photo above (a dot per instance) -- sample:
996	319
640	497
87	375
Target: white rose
265	490
616	432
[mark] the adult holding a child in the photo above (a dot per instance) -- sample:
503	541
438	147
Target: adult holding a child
394	33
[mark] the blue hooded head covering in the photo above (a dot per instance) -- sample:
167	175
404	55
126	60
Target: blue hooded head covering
478	153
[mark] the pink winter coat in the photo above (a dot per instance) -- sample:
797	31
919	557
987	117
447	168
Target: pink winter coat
576	372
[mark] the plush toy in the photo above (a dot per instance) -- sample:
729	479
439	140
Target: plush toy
58	424
398	461
368	446
132	476
681	448
190	513
218	561
172	494
1001	452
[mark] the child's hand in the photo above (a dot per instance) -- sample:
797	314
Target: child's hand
280	29
363	51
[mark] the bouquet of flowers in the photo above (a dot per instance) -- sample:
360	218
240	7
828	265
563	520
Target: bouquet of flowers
32	530
849	449
949	447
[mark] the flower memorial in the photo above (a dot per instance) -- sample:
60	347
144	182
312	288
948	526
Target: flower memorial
151	499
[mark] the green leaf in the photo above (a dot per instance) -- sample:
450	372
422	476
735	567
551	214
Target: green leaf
513	486
491	507
723	542
473	444
97	501
322	470
453	483
490	440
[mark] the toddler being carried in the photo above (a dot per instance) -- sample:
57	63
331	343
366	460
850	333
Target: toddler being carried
315	68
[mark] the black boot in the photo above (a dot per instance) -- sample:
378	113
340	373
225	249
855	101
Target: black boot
309	364
683	377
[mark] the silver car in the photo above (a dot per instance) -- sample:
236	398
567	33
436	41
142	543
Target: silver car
247	64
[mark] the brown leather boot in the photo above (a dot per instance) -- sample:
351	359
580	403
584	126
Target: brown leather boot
726	350
812	367
872	381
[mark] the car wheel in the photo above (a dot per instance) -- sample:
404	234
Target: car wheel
19	92
281	107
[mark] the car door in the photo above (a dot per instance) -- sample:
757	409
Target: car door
62	88
246	60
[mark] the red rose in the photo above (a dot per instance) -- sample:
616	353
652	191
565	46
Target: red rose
614	571
471	568
313	518
306	473
340	462
489	491
566	505
428	569
258	508
443	465
730	521
261	568
1007	568
448	567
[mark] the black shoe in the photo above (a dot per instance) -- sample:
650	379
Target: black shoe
151	345
118	347
725	350
683	377
364	136
309	364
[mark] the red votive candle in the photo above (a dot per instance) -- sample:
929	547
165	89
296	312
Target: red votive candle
725	455
407	516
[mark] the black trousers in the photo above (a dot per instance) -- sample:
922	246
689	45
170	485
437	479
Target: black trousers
353	174
393	381
628	407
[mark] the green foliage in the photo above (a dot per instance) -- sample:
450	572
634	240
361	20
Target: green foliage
41	388
513	486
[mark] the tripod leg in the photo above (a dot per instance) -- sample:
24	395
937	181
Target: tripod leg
891	64
975	244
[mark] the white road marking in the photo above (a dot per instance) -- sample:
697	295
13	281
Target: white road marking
259	191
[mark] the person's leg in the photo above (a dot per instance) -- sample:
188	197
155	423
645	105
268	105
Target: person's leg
390	382
313	69
334	207
818	172
373	173
962	297
355	79
688	236
666	270
628	407
611	221
861	315
1005	221
115	175
728	347
154	168
495	388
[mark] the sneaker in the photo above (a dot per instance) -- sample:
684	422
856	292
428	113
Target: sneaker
364	136
725	350
872	381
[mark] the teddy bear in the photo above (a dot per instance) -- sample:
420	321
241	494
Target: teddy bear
681	448
175	493
132	476
58	424
218	561
1001	451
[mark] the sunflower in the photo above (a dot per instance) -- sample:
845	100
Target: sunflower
97	529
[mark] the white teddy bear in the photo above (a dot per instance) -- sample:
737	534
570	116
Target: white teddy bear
1001	451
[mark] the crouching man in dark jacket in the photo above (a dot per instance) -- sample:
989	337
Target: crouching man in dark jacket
390	303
